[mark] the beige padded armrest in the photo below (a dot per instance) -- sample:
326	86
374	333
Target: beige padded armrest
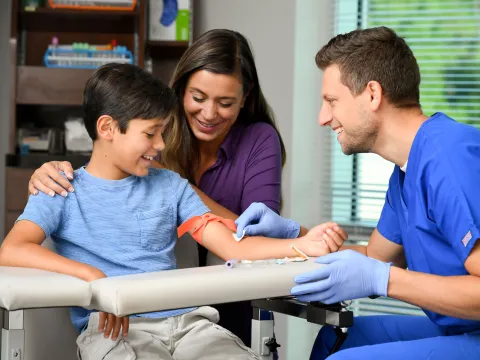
132	294
22	288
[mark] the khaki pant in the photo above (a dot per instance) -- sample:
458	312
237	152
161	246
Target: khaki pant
191	336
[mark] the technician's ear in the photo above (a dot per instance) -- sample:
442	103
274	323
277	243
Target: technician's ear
375	93
106	127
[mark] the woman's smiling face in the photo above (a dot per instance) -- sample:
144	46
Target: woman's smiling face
212	103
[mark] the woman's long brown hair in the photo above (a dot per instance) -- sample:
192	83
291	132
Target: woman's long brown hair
221	52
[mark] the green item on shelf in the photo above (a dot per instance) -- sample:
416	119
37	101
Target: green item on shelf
32	5
183	21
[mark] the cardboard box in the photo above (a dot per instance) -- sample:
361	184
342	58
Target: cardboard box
173	29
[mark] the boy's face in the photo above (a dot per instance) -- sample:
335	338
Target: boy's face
134	151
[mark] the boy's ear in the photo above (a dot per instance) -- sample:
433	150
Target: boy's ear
106	127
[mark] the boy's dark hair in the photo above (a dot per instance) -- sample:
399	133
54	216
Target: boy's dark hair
125	92
377	54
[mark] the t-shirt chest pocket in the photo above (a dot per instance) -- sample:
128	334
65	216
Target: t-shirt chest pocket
157	228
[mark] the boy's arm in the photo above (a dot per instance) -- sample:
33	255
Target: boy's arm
22	248
218	239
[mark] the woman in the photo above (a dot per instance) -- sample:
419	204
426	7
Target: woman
223	139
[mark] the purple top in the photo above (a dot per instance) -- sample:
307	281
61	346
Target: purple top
248	169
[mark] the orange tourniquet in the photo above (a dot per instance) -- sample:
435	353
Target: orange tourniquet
197	225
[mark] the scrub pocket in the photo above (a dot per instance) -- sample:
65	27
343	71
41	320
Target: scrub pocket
92	345
157	228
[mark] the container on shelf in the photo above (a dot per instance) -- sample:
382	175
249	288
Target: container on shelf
85	56
170	20
113	5
32	5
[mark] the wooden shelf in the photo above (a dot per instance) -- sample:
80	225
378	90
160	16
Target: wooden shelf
165	56
80	12
167	44
69	20
44	98
35	160
51	86
16	183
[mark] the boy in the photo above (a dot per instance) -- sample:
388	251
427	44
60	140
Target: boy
123	218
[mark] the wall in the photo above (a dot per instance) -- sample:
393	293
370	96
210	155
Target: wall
58	343
269	26
285	36
5	10
310	144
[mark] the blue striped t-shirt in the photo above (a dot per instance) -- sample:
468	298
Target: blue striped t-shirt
121	227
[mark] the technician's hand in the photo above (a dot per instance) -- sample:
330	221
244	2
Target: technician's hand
259	219
329	233
347	275
48	179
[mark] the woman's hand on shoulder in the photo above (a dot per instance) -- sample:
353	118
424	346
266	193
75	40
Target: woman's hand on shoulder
48	179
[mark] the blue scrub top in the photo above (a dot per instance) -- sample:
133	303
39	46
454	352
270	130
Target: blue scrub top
433	209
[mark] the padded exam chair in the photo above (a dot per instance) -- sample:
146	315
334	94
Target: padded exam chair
22	288
41	332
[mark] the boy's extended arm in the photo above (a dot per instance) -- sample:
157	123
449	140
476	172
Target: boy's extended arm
23	248
218	239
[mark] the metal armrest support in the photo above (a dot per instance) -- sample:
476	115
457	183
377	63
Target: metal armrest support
13	335
336	315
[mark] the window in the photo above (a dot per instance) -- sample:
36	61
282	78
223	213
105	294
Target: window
359	182
444	36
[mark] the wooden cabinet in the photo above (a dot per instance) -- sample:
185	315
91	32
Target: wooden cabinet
17	185
46	97
16	194
38	85
164	56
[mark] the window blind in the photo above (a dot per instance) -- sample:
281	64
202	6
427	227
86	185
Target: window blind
445	37
359	182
